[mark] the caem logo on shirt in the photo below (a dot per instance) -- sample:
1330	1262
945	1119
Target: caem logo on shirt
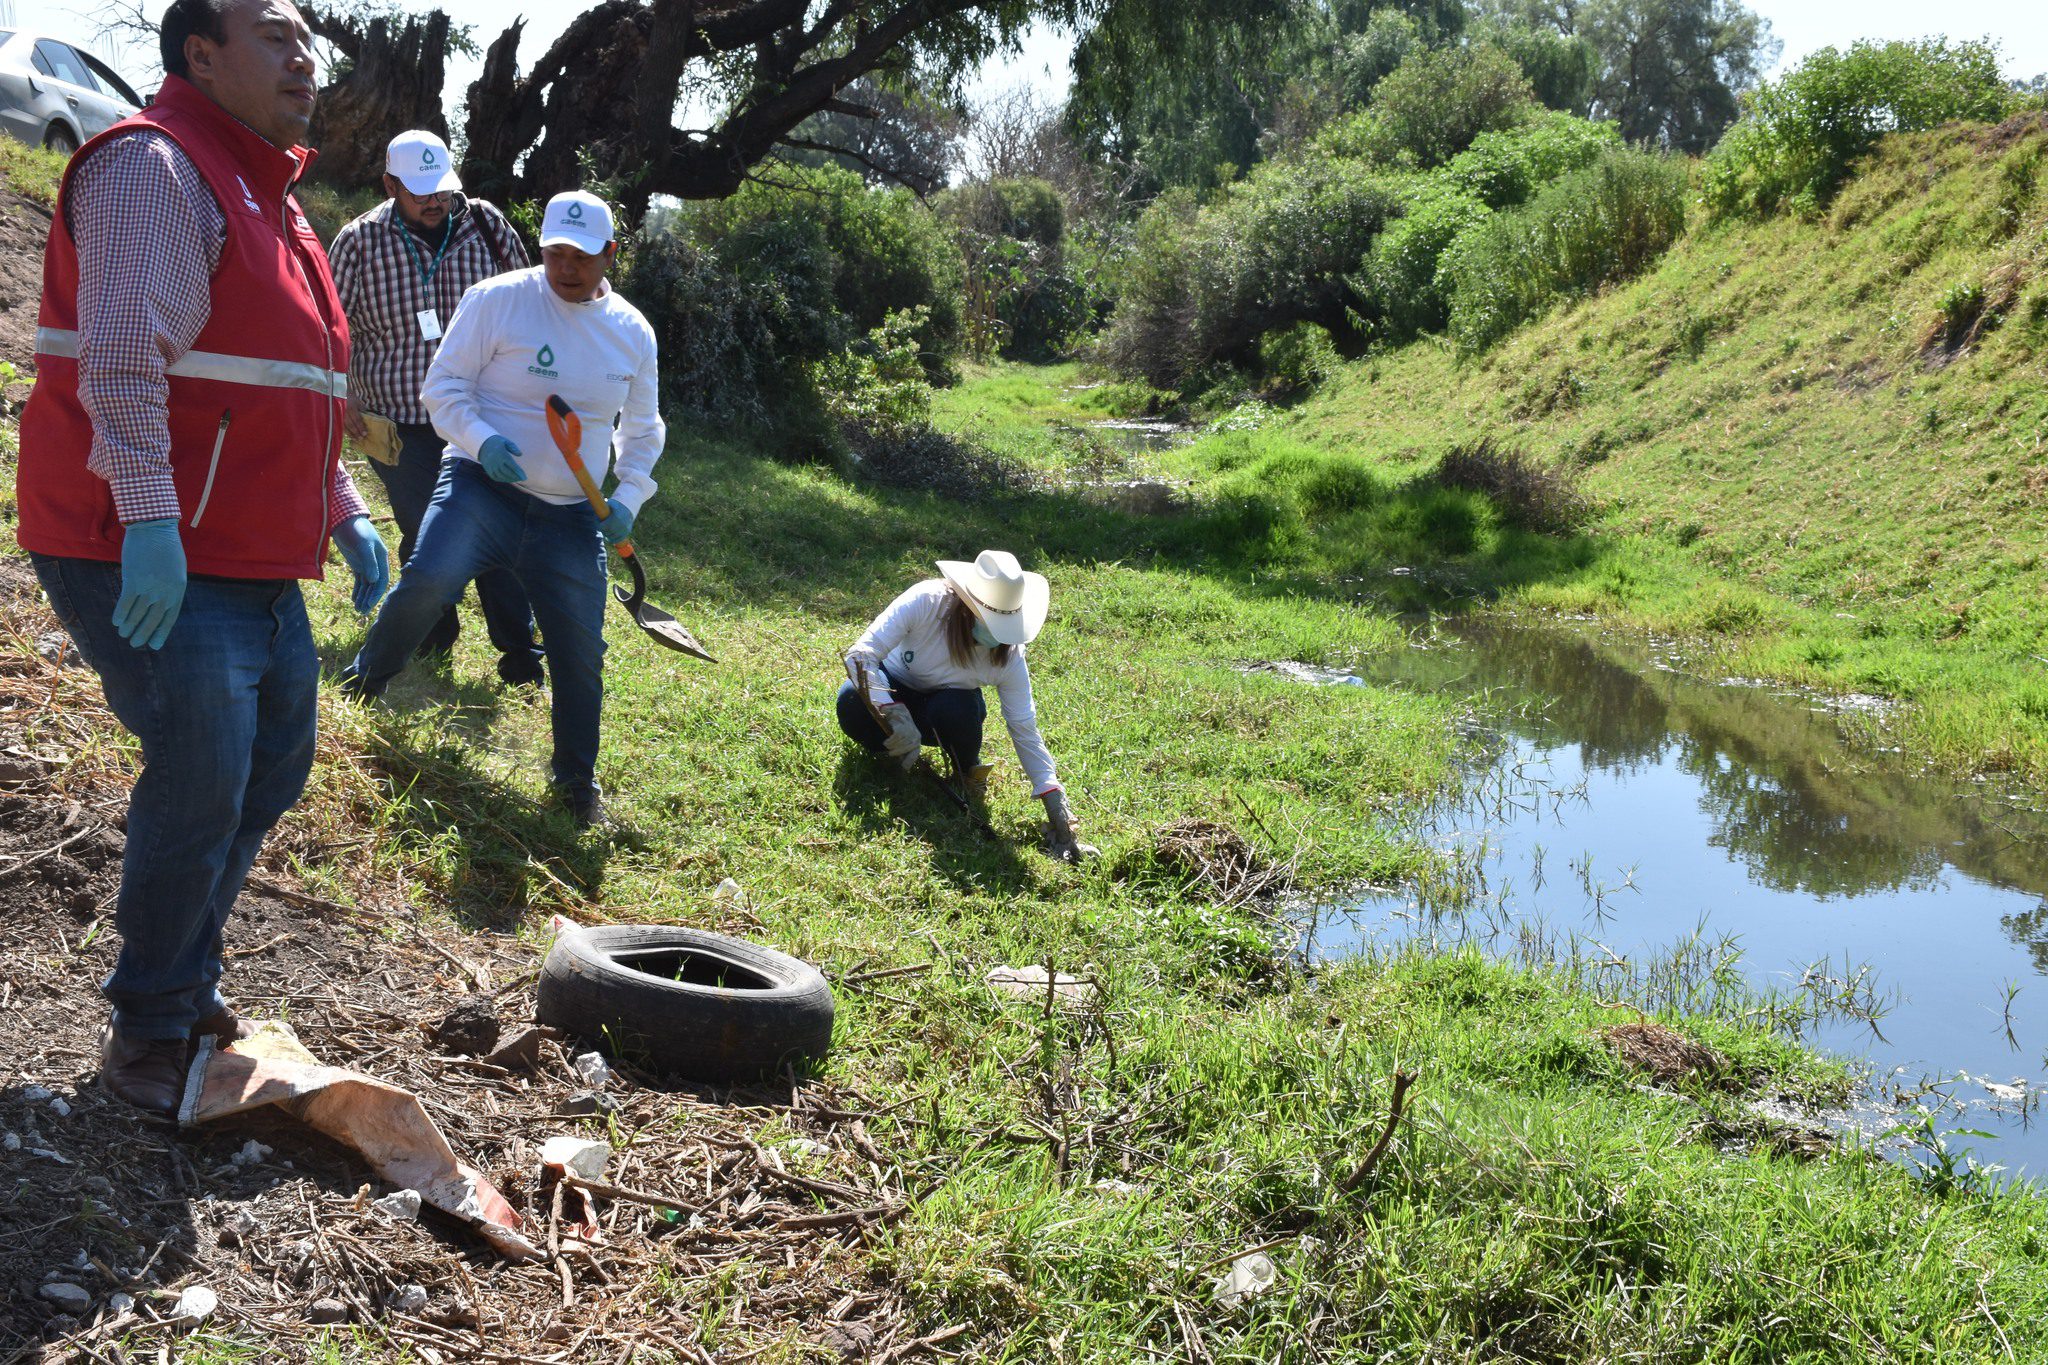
544	363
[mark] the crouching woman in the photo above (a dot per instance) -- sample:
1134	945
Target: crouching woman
914	678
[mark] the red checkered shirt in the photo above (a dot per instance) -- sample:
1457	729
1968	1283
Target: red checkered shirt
382	286
149	234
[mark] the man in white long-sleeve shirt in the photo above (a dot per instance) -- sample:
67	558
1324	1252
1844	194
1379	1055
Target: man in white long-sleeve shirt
508	499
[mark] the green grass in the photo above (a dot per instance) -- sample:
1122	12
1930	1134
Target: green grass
30	171
1539	1202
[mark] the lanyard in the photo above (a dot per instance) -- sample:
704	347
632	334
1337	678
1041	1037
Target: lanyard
427	270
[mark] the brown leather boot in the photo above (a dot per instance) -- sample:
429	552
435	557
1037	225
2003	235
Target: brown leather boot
148	1073
226	1025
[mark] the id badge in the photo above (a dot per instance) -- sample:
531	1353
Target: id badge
430	324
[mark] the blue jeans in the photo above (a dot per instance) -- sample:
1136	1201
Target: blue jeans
950	717
475	525
410	486
225	712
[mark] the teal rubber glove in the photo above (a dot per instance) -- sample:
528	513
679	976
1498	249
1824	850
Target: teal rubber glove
500	459
619	525
152	582
362	549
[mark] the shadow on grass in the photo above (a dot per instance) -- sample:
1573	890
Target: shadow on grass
880	796
1285	523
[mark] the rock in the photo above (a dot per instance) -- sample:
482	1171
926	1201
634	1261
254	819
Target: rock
522	1051
117	1304
58	1326
470	1029
237	1226
401	1206
56	646
10	1142
588	1102
585	1157
594	1069
557	1331
60	1108
327	1311
36	1094
196	1304
853	1340
68	1297
407	1298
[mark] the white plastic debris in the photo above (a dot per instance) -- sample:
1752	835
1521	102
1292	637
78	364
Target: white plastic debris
1247	1278
46	1154
804	1146
59	1107
241	1222
594	1069
729	895
252	1153
10	1142
1030	983
408	1298
401	1206
585	1157
118	1304
196	1304
36	1094
68	1297
1112	1186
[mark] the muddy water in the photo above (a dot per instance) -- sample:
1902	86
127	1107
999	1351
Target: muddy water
1687	839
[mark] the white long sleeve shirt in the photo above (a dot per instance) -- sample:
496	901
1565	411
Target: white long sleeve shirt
909	640
512	342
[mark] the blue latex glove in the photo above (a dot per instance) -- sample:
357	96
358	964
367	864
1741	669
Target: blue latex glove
362	549
619	525
500	459
152	582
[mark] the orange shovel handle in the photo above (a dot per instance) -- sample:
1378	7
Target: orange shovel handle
567	429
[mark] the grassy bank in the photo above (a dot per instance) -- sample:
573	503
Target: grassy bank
1816	447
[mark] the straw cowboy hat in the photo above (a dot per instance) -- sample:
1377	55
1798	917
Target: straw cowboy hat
1009	601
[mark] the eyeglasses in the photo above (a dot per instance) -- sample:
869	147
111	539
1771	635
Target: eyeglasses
438	196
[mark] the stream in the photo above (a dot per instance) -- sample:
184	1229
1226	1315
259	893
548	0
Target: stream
1716	843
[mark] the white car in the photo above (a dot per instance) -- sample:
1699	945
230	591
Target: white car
56	94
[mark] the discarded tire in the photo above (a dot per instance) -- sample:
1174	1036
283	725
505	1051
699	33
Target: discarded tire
686	1002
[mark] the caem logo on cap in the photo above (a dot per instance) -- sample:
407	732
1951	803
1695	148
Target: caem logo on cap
576	213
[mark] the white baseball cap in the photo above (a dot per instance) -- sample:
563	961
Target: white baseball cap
421	162
579	220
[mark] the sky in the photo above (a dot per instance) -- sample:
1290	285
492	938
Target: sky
2019	26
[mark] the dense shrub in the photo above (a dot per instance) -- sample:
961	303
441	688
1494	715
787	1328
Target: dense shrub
1028	209
1604	223
1505	167
1436	102
738	323
1798	138
1281	247
1402	267
888	251
1020	299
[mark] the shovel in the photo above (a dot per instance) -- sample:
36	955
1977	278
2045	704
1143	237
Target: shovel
567	429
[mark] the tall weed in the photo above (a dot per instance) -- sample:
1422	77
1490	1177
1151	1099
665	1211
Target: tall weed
1601	224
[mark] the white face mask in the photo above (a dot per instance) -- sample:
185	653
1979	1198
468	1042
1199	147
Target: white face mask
982	636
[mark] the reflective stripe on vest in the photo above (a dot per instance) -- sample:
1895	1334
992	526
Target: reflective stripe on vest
218	365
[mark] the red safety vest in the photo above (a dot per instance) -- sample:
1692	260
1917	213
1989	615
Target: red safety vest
255	407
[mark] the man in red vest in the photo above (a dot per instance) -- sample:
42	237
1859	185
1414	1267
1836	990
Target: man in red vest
179	473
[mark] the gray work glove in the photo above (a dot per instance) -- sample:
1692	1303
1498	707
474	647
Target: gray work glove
902	741
1060	827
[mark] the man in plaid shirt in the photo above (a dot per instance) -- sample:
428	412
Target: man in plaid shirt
401	269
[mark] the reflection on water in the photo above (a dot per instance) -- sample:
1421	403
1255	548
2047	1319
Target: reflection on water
1633	808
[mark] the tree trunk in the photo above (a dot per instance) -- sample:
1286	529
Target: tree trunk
393	84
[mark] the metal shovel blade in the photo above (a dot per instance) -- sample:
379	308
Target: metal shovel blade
659	625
